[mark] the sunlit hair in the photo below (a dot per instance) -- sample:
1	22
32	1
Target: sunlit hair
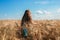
26	17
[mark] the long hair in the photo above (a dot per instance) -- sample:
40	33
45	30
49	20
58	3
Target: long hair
26	17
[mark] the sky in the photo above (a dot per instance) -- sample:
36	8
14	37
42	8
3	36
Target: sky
40	9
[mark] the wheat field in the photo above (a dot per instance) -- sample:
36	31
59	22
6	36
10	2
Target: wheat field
42	30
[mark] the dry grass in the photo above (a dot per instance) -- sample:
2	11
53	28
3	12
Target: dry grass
43	30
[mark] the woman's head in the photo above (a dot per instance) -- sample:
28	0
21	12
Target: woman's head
27	13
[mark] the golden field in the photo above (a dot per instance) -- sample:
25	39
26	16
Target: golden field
42	30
